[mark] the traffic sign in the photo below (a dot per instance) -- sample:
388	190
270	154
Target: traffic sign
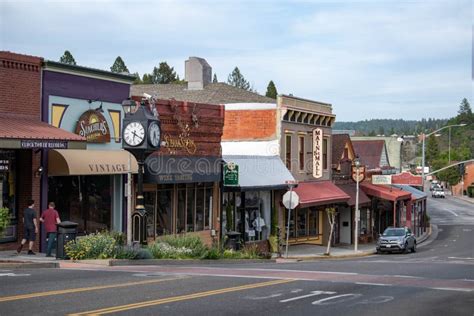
293	196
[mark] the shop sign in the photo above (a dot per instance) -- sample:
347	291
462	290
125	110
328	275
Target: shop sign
4	165
108	168
407	178
231	174
381	179
181	142
93	126
361	173
46	144
317	153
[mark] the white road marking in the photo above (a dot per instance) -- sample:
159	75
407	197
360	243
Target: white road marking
468	280
256	298
312	293
305	271
296	290
451	289
468	258
405	276
368	283
452	212
327	301
467	230
13	274
376	300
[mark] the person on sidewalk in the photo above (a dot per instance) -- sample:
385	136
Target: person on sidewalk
50	218
30	228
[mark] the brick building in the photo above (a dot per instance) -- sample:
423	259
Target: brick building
23	139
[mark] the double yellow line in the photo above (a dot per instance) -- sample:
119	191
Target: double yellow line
83	289
180	298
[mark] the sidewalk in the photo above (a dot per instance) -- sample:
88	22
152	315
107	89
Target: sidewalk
9	259
464	198
306	252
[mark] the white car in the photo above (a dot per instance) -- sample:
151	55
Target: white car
438	193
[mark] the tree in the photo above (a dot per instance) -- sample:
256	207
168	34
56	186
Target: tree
163	74
271	90
4	219
331	213
465	113
119	66
214	80
137	78
147	79
432	149
236	79
67	58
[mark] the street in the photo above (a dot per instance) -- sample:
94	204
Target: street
438	279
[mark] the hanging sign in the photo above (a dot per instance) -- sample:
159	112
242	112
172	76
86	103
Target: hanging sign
93	126
231	174
381	179
361	173
317	153
4	165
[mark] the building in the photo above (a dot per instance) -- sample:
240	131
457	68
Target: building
25	139
88	186
306	149
466	182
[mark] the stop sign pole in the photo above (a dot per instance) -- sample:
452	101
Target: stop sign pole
290	205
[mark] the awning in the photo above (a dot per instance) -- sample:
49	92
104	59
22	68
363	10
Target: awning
90	162
385	192
259	173
320	193
182	169
27	132
351	190
415	193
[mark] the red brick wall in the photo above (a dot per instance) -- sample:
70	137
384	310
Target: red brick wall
468	179
20	93
20	84
249	125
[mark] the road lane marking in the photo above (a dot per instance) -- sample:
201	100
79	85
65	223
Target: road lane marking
336	299
312	293
451	289
468	258
405	276
121	308
452	212
11	274
369	283
83	289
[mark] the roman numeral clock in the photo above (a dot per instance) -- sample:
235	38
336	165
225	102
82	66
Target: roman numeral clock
141	135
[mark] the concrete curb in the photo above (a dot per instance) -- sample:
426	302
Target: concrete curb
426	236
167	262
324	257
27	265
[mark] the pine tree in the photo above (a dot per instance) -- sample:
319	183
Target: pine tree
236	79
214	80
163	74
147	79
119	66
465	113
271	90
432	149
137	78
67	58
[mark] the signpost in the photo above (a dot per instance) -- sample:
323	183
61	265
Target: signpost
290	201
231	174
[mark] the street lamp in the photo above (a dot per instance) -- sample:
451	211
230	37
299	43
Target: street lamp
357	212
423	148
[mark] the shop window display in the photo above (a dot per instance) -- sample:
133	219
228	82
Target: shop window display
8	192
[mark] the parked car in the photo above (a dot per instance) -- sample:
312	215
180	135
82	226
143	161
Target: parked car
438	193
435	184
396	239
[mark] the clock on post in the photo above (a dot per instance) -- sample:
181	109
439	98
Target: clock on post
141	135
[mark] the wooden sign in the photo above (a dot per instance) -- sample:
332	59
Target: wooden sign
361	173
93	126
317	153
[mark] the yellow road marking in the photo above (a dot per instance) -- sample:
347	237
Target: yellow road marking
83	289
180	298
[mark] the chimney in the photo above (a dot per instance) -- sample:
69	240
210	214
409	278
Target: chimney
197	73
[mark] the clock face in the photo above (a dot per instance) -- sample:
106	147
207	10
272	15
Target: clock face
134	134
154	134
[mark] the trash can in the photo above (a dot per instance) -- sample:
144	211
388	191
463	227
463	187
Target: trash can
67	231
233	240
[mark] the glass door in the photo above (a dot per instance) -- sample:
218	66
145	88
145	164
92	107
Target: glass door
150	207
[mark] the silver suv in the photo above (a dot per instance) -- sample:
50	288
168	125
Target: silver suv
396	239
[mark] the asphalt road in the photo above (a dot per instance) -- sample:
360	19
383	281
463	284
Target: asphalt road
437	280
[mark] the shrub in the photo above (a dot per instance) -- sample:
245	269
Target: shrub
162	250
251	252
193	243
125	252
4	219
212	253
144	253
93	246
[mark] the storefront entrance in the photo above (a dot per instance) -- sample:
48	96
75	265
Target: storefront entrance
306	224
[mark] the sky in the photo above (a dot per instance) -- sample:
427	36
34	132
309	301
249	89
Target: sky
369	59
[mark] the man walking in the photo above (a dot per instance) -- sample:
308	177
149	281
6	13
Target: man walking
30	228
50	218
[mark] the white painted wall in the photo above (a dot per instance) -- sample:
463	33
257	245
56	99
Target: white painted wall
345	231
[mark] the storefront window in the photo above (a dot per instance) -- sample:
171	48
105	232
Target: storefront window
191	207
7	192
200	208
150	204
86	200
164	212
181	216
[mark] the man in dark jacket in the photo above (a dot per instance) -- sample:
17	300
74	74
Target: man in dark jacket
30	226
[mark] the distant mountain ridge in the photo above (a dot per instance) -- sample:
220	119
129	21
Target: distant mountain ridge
391	126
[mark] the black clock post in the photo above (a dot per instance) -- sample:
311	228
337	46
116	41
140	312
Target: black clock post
141	135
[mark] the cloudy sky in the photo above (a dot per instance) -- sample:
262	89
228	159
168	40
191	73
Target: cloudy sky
370	59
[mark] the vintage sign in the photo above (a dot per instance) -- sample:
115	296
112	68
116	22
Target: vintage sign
361	173
407	178
108	168
180	142
46	144
4	165
93	126
231	174
381	179
317	153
